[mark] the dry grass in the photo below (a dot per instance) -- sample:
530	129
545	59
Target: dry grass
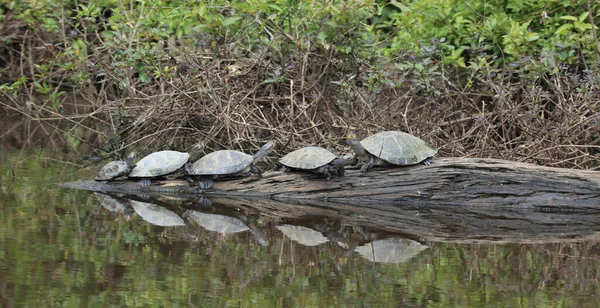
314	97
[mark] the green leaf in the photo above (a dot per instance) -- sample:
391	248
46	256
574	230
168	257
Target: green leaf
275	7
273	80
399	5
322	36
568	17
230	20
563	28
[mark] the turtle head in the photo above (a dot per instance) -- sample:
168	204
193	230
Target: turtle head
356	146
351	135
348	159
130	157
265	150
196	151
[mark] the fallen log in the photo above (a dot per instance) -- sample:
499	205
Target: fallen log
448	182
454	200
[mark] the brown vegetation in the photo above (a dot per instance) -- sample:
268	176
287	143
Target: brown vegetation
314	96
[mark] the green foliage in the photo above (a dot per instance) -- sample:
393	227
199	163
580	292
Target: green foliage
508	30
334	56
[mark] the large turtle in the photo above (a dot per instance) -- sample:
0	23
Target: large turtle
116	169
391	148
226	162
317	160
162	163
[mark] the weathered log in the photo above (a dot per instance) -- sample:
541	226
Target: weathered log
448	182
455	200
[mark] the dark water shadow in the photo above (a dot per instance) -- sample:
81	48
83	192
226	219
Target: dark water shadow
379	234
229	216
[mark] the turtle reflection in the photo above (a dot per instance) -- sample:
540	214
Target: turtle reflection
226	224
217	223
303	235
391	250
113	203
156	215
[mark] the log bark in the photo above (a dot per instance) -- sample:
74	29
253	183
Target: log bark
454	200
448	182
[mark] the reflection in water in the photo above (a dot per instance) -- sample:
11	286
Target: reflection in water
217	223
303	235
156	215
391	250
113	204
58	248
227	224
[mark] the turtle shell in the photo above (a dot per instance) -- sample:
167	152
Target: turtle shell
221	162
113	170
398	148
159	163
307	158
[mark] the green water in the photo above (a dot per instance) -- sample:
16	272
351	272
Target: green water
62	248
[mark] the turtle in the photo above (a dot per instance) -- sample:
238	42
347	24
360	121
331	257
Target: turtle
116	169
226	162
391	148
162	163
317	160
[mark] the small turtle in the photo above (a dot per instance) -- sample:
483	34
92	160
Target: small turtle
391	148
317	160
226	162
116	169
162	163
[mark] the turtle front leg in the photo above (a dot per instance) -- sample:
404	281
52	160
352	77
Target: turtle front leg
189	178
190	173
326	170
369	164
205	182
428	161
255	170
341	171
144	182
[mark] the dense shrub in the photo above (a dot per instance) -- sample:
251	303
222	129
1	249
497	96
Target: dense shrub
510	79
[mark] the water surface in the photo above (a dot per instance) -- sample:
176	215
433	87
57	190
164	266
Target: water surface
64	247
